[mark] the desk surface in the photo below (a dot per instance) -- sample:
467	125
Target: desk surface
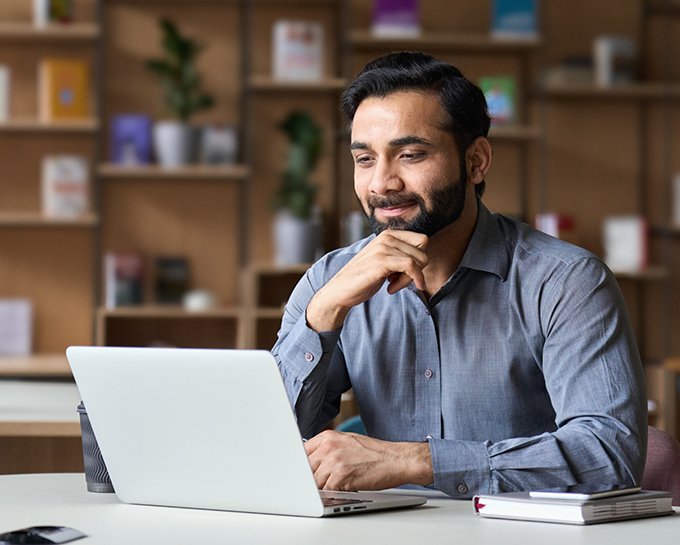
61	499
45	409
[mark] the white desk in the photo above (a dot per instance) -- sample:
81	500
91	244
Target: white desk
45	409
61	499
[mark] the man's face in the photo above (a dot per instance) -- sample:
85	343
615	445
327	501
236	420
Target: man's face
407	172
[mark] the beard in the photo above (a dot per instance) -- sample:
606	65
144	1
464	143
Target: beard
447	205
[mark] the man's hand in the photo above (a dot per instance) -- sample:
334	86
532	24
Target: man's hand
396	256
347	461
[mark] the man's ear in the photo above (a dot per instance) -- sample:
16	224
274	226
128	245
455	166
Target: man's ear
478	157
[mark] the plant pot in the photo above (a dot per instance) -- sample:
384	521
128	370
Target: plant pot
295	240
173	143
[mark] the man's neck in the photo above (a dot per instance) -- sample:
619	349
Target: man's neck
447	247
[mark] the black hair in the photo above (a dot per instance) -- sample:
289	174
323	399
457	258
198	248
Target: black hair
463	101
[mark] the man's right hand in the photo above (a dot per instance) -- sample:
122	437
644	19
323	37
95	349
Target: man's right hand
396	256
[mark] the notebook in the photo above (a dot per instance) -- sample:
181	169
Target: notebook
204	428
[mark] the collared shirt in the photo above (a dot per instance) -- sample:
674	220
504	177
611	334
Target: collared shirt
522	371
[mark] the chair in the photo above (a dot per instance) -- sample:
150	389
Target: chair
353	425
662	469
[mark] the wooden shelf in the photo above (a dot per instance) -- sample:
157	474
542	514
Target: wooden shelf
268	83
155	172
633	91
650	274
35	365
519	133
29	32
474	42
30	125
38	219
170	311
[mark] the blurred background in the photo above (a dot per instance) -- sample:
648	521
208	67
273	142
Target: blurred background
170	168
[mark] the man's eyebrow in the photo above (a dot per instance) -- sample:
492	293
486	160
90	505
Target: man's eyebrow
397	142
408	141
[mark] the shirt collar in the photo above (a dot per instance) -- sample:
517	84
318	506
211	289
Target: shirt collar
486	250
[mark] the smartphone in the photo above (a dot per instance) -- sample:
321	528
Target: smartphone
581	492
41	534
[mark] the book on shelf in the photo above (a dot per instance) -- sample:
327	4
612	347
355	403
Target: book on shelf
560	226
5	88
52	11
16	326
63	90
501	99
614	60
522	506
65	185
218	144
514	19
131	139
396	18
171	279
626	243
298	50
123	279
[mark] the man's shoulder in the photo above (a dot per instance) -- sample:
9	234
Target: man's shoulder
529	245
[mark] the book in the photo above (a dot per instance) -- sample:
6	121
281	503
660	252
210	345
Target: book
218	144
5	87
500	93
297	50
557	225
395	18
131	139
171	279
521	506
16	326
514	19
63	90
626	243
65	185
123	279
614	60
52	11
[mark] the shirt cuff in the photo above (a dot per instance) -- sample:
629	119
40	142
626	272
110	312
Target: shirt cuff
461	468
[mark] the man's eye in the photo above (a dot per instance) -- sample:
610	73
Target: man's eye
362	159
412	156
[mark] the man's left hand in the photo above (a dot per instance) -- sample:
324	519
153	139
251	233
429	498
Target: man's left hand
348	461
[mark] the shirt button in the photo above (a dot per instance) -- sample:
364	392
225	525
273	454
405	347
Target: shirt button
427	313
428	374
462	488
309	356
428	436
324	357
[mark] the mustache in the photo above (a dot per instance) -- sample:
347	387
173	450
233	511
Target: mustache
376	201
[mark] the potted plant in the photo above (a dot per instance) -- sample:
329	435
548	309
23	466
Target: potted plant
297	225
181	84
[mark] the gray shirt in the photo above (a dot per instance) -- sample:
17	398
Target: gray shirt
522	371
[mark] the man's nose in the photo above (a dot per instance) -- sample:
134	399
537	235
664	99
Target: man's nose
386	178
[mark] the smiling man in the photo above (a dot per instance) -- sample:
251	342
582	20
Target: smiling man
484	356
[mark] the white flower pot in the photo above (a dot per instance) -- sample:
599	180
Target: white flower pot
173	143
295	240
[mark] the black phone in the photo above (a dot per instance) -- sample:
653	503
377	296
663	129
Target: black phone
38	535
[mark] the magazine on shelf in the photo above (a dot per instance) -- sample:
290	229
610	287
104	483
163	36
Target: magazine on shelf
396	18
16	326
63	90
514	19
123	279
501	99
65	185
297	50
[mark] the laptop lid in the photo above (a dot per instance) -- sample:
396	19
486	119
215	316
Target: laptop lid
196	428
203	428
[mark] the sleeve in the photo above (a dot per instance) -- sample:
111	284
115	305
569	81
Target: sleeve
311	363
594	378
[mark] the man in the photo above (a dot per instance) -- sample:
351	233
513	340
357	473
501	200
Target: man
485	356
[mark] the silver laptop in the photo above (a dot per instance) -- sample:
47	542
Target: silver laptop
210	429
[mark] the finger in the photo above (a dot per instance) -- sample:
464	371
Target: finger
417	240
405	272
391	244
